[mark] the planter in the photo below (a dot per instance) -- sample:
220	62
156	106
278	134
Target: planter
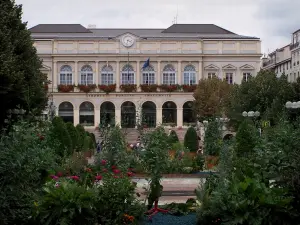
169	88
211	161
65	88
87	88
128	87
149	88
172	153
107	88
189	88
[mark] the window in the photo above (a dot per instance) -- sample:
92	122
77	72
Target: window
107	76
127	75
189	75
211	75
148	75
246	76
169	75
66	76
87	76
229	78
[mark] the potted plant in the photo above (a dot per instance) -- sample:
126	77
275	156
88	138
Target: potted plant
128	87
107	88
65	88
87	88
149	87
169	88
189	88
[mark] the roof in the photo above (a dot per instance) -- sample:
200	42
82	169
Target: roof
176	32
196	28
59	28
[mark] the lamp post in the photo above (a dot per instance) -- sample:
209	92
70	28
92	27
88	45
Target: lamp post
253	115
293	108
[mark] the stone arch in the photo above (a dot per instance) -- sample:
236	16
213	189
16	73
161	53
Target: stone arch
149	114
107	114
169	113
66	111
128	114
87	114
188	113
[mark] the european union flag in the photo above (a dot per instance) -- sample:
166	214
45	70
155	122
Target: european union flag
146	64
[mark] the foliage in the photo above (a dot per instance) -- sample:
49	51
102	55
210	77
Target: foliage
173	138
179	209
191	139
212	139
60	133
93	143
22	82
81	133
211	96
73	135
246	139
25	158
86	143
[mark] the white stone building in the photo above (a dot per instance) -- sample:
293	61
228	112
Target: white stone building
179	55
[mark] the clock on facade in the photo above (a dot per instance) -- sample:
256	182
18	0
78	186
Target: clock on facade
127	41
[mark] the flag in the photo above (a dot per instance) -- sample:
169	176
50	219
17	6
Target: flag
146	64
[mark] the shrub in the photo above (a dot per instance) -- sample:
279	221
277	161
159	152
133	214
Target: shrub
191	139
60	133
212	139
173	138
73	134
93	143
25	158
87	143
81	133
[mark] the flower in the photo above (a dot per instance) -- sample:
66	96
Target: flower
130	174
116	176
56	185
103	162
59	174
104	170
74	178
116	171
88	170
98	177
54	177
113	167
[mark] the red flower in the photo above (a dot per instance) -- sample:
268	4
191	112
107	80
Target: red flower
54	177
130	174
113	167
59	174
98	177
103	162
75	178
104	170
116	171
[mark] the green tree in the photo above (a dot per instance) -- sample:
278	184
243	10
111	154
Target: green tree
59	131
73	134
173	138
87	143
191	139
213	139
22	83
81	133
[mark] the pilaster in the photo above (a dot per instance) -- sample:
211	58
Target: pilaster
179	75
158	116
179	117
76	116
118	116
97	73
76	74
117	76
158	74
55	75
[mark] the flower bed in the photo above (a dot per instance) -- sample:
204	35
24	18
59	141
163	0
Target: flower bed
87	88
189	88
149	87
169	88
128	87
107	88
65	88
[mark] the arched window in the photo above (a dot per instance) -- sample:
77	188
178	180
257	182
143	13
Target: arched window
107	114
169	75
148	75
149	114
65	75
189	75
87	76
169	113
128	115
127	76
107	75
66	112
188	113
86	114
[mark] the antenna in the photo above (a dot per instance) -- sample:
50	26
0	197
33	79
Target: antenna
176	17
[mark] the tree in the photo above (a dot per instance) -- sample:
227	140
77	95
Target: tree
81	133
73	134
210	97
60	132
212	139
173	138
191	139
22	83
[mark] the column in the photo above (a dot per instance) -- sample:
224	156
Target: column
97	116
76	116
76	73
200	73
118	116
158	75
117	76
54	82
97	74
179	117
158	116
179	76
138	75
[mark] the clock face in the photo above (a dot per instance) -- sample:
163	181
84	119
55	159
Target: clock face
127	41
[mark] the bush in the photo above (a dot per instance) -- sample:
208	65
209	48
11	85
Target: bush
173	138
212	139
87	143
73	134
25	158
81	133
93	143
191	139
60	133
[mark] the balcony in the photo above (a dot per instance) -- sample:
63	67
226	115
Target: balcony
293	46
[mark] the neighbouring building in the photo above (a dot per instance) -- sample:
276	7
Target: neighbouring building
103	76
285	60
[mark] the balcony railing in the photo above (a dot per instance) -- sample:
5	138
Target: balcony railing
293	46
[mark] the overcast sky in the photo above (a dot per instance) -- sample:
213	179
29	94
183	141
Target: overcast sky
271	20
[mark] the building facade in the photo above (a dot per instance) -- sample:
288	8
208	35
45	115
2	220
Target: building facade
285	60
125	76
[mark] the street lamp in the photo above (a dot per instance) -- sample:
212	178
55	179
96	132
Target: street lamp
292	105
254	115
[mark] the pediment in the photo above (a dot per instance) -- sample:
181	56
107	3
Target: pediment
229	67
247	67
211	67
